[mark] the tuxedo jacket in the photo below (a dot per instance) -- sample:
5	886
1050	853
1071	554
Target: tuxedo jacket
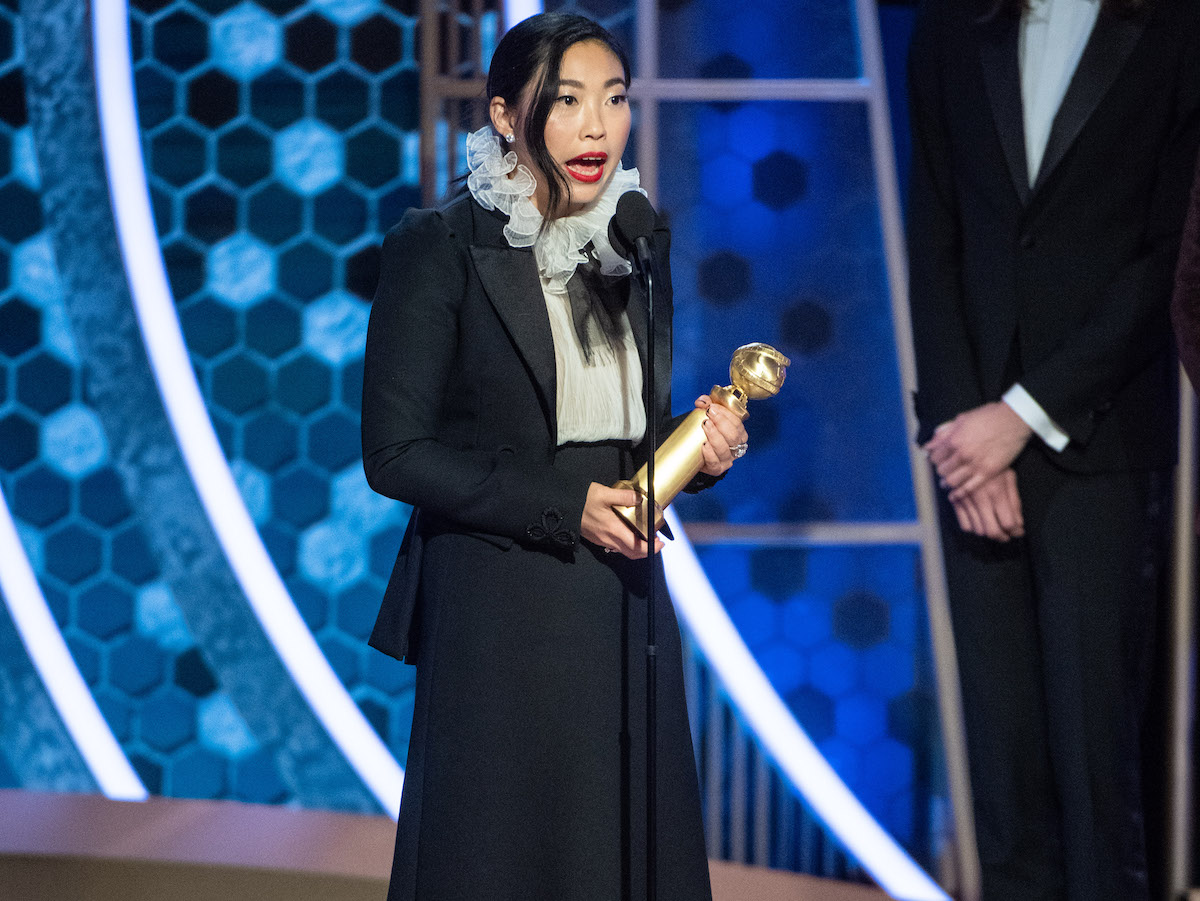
1185	308
459	394
1063	285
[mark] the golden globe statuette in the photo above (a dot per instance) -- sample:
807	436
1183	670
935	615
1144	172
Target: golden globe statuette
757	371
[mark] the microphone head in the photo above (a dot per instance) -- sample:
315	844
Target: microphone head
633	219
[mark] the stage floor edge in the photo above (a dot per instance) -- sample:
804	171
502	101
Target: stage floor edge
90	848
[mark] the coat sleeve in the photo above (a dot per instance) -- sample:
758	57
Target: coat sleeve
1185	306
412	343
947	378
1129	326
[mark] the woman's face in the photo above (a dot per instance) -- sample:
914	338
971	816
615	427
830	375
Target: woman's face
588	125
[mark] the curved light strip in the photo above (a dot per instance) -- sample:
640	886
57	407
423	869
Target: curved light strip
773	723
205	460
518	10
44	643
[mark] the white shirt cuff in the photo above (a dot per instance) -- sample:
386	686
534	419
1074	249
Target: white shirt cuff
1023	404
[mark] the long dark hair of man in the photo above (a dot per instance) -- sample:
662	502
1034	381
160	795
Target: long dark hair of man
530	55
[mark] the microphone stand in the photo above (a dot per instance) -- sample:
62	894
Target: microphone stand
646	271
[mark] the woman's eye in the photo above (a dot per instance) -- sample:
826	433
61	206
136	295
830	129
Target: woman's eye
566	99
618	99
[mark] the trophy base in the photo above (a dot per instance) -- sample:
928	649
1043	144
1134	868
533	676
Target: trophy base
638	517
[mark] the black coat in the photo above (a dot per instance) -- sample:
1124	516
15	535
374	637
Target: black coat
991	297
458	413
1185	308
525	773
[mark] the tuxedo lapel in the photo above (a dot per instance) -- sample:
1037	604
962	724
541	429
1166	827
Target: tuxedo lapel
1113	39
1002	75
510	280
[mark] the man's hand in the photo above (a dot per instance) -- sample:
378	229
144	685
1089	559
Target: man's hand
993	510
976	446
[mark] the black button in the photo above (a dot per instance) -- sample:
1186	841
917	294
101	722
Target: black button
1027	241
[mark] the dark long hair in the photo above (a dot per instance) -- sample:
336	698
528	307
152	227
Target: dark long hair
529	55
1121	7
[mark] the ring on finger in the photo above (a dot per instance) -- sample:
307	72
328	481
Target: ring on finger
739	450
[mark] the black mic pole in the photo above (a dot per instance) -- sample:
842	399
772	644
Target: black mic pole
629	231
643	253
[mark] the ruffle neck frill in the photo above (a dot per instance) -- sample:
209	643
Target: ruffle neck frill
558	250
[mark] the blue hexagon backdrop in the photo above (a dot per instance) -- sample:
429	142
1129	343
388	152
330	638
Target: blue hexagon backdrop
281	140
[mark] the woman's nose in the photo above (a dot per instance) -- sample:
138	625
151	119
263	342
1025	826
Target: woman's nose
593	122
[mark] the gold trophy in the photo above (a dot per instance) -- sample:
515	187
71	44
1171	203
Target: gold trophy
757	371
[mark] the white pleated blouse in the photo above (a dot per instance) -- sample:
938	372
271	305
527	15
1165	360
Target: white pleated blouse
600	400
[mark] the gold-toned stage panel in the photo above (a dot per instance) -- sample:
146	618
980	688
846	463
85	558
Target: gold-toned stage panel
88	848
738	882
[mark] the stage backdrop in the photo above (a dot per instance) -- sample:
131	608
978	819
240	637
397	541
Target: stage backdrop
280	141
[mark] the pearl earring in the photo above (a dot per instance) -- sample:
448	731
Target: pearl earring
510	137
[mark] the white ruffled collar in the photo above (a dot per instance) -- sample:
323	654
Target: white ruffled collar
559	249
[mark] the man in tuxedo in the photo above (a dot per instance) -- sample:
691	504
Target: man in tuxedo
1053	142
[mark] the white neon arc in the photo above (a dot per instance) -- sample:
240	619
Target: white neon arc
754	696
206	463
518	10
53	661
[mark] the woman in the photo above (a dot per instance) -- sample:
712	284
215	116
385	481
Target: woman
502	395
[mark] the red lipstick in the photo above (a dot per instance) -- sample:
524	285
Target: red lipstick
587	167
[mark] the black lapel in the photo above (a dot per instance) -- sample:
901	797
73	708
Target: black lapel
510	279
1002	74
1113	39
637	312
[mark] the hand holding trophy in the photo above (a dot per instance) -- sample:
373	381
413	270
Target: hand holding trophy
757	371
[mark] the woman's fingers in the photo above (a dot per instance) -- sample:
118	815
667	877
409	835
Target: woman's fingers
623	540
603	527
613	497
723	431
730	426
636	549
599	521
717	442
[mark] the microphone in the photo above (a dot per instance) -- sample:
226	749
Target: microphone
630	229
629	233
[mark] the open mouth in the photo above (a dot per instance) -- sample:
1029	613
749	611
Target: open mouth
587	167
